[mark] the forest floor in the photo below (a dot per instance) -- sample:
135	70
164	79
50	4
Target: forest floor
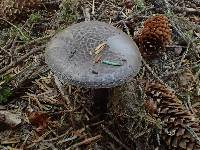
40	116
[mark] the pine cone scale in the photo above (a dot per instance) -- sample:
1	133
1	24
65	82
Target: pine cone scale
180	129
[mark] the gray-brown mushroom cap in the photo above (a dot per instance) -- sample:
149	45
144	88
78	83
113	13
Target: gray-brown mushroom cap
93	55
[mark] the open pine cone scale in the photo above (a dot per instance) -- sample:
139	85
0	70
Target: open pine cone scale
181	129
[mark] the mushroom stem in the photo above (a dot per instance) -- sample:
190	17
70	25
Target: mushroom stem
101	97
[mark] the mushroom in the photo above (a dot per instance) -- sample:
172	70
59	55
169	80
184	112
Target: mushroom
93	55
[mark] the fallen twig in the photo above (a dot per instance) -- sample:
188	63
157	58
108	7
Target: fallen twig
190	11
114	137
18	29
38	40
13	64
185	53
41	138
64	96
86	141
155	76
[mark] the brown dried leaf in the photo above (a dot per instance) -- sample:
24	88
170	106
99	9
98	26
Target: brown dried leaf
187	80
11	119
38	119
180	132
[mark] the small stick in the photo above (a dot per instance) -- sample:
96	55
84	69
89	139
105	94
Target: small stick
40	39
26	139
21	59
5	51
193	133
86	12
153	73
99	48
60	136
18	29
114	137
93	7
33	96
97	58
41	138
64	96
86	141
126	28
185	53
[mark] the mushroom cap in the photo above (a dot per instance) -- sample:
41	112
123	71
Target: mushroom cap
71	55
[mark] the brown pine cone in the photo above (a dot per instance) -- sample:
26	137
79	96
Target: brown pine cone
154	36
13	10
181	130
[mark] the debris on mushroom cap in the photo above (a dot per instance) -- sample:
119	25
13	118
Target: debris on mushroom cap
93	55
154	36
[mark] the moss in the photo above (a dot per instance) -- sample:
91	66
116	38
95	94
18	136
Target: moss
5	90
127	107
139	4
67	12
5	93
35	17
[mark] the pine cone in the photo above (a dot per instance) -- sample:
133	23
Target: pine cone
154	36
13	10
181	129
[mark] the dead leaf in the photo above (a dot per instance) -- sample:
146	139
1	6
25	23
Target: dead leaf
11	119
187	80
38	119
